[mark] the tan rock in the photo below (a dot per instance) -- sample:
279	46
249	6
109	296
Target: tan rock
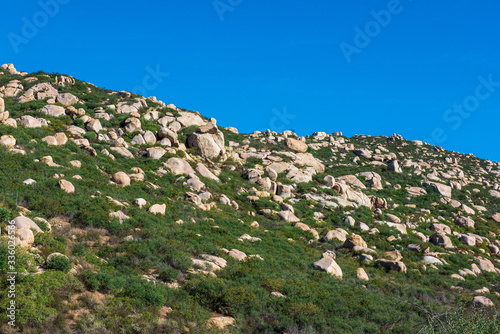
328	265
158	209
66	186
121	179
482	301
296	145
362	275
353	241
238	255
178	166
8	141
392	265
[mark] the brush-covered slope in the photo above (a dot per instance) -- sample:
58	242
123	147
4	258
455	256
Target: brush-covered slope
133	216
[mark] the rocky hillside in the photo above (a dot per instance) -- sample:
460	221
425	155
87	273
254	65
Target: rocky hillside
130	215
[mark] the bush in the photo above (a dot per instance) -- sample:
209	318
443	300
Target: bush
59	262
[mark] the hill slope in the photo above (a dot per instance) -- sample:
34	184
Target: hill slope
133	216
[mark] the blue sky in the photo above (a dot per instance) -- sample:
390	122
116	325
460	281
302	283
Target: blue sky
427	70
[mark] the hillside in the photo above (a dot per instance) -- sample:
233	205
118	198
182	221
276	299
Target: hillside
130	215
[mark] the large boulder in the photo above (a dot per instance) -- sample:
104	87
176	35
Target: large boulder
121	179
2	105
66	186
158	209
54	111
328	265
496	217
392	265
8	141
210	145
66	99
440	188
25	222
237	254
24	237
355	241
482	301
464	221
189	118
156	152
205	172
296	145
39	91
178	166
441	239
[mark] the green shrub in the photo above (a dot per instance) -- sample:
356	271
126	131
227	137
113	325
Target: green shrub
59	262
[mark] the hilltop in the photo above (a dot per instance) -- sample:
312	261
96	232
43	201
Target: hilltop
131	215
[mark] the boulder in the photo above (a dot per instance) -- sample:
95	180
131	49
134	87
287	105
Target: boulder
392	265
328	265
496	217
394	166
140	202
296	145
24	237
188	119
238	255
54	111
2	105
440	188
158	209
441	228
464	221
156	152
178	166
32	122
121	179
205	172
334	234
209	145
362	275
66	186
482	301
288	216
132	124
353	241
94	125
220	322
66	99
441	239
486	265
8	141
25	222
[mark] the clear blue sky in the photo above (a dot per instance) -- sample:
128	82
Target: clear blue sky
284	64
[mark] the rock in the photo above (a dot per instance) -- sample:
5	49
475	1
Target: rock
441	228
392	265
29	181
24	237
353	241
329	255
416	191
334	234
132	124
394	166
208	128
140	202
464	221
362	275
121	179
54	111
156	152
329	265
196	185
220	322
138	140
296	145
496	217
209	145
486	265
205	172
188	119
94	125
179	166
170	135
158	209
50	140
25	222
288	216
494	193
66	186
32	122
440	188
8	141
238	255
2	105
482	301
122	151
330	181
66	99
441	239
432	260
393	218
